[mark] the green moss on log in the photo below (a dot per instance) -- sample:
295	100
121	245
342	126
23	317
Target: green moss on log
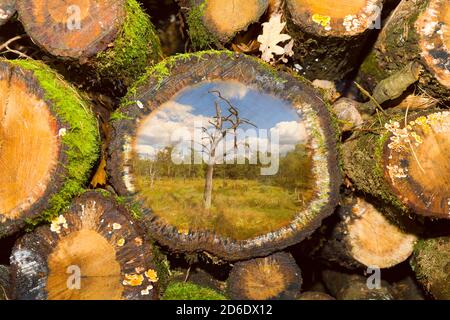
162	70
431	263
136	46
200	36
81	141
364	155
190	291
399	44
370	67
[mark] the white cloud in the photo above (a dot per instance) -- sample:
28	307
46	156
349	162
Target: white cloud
147	150
291	132
174	124
232	90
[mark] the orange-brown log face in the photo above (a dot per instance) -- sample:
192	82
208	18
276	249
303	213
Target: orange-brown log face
328	17
75	28
264	280
446	20
418	164
227	17
332	8
374	241
29	147
90	254
433	27
61	16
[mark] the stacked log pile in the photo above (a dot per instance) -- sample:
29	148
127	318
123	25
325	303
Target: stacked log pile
177	149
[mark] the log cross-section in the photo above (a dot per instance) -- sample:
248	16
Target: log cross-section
330	36
251	213
114	37
42	162
405	162
273	277
364	237
216	22
74	29
93	251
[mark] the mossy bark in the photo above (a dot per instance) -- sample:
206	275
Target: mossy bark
136	47
431	263
200	36
79	143
158	86
190	291
363	164
397	46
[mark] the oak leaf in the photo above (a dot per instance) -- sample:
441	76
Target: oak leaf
271	37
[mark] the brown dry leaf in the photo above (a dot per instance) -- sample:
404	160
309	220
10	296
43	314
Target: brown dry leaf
271	37
250	47
413	102
99	178
246	41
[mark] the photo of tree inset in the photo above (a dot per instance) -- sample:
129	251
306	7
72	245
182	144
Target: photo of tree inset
225	158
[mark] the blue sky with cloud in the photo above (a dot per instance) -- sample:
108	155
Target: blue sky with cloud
176	119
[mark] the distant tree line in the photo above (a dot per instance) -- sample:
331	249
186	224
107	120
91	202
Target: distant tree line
294	173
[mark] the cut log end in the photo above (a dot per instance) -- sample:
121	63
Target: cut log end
325	18
273	277
225	18
28	131
433	27
195	206
7	10
85	248
76	29
93	251
374	241
366	238
418	165
41	118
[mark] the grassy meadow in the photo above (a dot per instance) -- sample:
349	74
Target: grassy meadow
241	209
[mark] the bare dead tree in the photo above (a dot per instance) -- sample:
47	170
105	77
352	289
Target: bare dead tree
221	125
